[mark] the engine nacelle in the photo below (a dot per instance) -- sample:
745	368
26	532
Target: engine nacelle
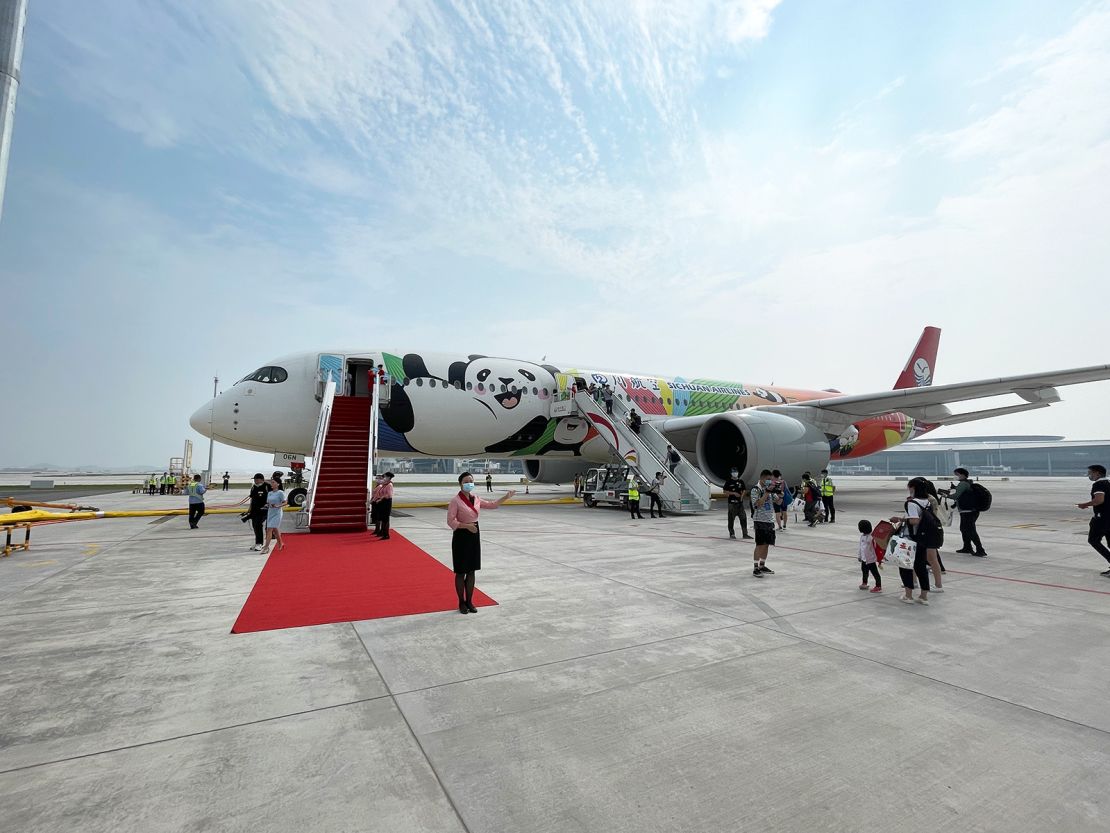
760	439
554	471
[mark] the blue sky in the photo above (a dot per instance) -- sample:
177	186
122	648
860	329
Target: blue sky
749	189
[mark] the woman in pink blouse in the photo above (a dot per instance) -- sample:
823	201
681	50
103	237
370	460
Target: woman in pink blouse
466	541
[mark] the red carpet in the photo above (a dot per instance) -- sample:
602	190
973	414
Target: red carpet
345	577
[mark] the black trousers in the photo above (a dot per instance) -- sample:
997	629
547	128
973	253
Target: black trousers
1099	531
258	518
162	489
385	507
830	507
873	569
736	510
609	407
196	512
226	486
655	501
634	508
968	531
920	568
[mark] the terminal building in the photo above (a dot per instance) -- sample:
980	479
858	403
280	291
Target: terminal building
1006	456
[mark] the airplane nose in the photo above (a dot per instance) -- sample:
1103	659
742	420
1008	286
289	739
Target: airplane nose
201	420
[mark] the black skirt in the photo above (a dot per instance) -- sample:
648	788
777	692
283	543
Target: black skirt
466	551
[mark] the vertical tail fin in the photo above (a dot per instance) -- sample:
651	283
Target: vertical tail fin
918	372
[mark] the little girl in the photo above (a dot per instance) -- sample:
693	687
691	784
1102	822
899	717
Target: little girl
867	557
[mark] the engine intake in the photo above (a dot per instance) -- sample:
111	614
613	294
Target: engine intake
554	471
754	440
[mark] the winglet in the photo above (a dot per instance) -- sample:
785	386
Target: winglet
918	372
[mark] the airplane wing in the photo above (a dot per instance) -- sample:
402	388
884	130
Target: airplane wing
1038	390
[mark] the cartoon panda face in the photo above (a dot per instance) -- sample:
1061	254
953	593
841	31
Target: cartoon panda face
571	430
498	383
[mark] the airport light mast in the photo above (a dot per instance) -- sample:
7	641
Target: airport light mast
13	19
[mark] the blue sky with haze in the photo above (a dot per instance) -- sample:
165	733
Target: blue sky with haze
746	189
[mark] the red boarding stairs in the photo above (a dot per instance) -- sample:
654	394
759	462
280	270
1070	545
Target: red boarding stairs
340	481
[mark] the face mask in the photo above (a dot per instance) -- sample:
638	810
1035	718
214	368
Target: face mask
733	473
468	487
766	482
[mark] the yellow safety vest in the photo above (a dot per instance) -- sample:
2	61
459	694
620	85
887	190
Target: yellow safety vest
827	487
633	491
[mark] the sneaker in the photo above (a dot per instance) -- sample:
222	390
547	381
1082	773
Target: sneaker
921	601
863	587
876	590
767	570
732	535
937	590
757	573
965	552
1105	573
255	548
907	601
981	553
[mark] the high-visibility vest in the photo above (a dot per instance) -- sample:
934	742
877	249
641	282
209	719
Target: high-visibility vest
192	489
827	487
633	491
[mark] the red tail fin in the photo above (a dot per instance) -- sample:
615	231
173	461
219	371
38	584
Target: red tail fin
918	372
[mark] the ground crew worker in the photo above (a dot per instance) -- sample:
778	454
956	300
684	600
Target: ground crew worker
634	499
196	492
165	482
828	489
152	484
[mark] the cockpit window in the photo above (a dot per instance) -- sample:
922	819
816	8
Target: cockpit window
269	375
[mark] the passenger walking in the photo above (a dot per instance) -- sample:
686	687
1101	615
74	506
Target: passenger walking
828	490
275	502
868	558
227	481
385	506
634	420
964	496
737	492
257	511
780	493
672	459
634	498
763	518
577	484
196	492
489	482
811	497
1099	504
936	563
923	528
607	398
654	489
466	542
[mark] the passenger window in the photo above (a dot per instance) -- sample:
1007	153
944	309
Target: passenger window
470	386
420	382
431	383
535	392
481	388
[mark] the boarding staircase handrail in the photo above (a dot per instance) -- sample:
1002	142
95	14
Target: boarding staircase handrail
686	471
372	455
327	402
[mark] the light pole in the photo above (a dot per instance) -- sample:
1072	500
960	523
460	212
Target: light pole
212	427
13	17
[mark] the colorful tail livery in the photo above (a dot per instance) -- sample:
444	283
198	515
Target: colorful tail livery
918	372
472	405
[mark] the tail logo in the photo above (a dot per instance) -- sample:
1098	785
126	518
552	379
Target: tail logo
922	373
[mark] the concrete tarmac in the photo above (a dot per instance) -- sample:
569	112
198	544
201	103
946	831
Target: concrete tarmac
634	676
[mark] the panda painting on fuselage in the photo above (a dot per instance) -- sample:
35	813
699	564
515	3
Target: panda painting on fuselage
457	407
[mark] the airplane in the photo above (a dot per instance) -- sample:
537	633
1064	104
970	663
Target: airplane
447	405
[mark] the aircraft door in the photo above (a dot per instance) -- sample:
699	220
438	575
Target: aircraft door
329	366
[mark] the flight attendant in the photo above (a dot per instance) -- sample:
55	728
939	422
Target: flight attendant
466	541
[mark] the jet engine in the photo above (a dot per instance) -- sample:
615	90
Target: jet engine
554	471
750	441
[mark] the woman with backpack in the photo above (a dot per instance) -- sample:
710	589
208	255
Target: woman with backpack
936	563
924	529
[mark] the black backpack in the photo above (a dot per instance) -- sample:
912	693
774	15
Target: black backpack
929	532
981	497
